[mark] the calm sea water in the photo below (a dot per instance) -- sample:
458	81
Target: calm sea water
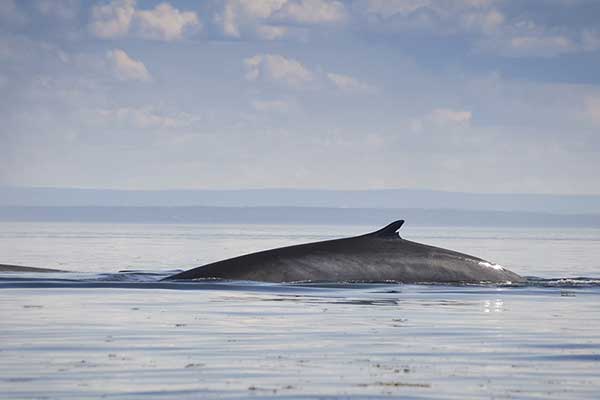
101	333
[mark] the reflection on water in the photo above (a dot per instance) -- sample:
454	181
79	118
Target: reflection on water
134	338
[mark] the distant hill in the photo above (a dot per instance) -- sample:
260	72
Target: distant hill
297	215
367	199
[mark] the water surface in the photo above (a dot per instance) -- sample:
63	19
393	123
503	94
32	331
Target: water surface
101	333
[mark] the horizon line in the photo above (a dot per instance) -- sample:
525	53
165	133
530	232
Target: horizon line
296	189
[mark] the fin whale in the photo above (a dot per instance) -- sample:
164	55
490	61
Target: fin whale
21	268
374	257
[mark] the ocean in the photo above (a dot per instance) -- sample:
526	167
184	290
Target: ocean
110	329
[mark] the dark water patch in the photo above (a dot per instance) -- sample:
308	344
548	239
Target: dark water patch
20	379
131	276
568	357
17	279
343	285
334	300
141	279
566	346
133	282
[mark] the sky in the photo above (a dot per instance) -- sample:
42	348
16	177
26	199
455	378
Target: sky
457	95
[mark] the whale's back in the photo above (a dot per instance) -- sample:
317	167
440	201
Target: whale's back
378	256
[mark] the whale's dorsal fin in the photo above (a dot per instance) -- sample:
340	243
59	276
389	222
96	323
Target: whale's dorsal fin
390	231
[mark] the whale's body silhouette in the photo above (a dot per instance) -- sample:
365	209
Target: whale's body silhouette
375	257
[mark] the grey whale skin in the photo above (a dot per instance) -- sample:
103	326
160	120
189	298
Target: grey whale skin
375	257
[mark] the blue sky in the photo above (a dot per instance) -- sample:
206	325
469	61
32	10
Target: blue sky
460	95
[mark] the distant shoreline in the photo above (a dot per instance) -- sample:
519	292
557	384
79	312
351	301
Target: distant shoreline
296	215
361	199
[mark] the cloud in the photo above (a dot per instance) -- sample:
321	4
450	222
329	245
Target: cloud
542	45
274	68
274	19
313	12
278	69
229	20
113	19
61	95
536	44
165	22
438	16
259	9
490	26
348	83
247	16
270	32
487	22
526	39
126	68
120	18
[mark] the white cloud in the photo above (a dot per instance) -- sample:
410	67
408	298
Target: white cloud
126	68
229	20
260	9
270	32
266	19
165	22
239	15
120	17
483	21
276	68
112	19
313	11
348	83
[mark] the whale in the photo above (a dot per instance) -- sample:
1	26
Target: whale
380	256
21	268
